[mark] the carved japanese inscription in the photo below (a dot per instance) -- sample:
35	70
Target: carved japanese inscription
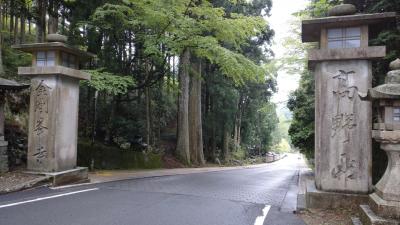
343	121
346	167
342	126
41	111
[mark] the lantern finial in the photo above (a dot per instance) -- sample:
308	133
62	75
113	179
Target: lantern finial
395	65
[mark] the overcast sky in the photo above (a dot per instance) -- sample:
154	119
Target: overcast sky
281	15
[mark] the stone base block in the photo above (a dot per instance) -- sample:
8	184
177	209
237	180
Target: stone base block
330	200
383	208
74	176
3	156
3	164
368	217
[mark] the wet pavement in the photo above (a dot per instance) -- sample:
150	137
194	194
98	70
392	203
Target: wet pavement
254	196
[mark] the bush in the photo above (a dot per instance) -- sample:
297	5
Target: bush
110	157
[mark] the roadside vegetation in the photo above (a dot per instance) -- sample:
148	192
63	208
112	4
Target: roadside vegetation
187	79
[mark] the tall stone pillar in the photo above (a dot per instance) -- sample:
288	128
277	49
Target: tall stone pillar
342	126
53	114
342	68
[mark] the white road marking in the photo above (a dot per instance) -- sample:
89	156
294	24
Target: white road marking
48	197
261	219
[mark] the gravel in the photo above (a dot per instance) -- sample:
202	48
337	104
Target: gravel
15	181
327	217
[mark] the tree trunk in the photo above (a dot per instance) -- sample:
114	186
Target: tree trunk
195	123
2	115
182	145
15	35
238	123
1	43
108	132
41	20
148	127
213	143
22	29
53	17
225	148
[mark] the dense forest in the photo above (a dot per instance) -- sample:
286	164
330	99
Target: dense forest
188	78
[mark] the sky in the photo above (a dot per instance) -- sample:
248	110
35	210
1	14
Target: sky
281	15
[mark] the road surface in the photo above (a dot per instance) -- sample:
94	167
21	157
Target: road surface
265	195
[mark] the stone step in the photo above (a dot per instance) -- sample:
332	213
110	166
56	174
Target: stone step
356	221
383	208
368	217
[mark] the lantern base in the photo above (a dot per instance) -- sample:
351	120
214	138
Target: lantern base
367	216
380	211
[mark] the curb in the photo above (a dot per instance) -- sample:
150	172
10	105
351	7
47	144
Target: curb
133	177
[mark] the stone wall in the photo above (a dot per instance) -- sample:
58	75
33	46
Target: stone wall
3	156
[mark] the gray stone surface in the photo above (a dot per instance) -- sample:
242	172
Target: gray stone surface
53	70
388	188
34	47
375	52
72	176
342	127
56	38
342	10
3	156
384	208
385	202
395	65
311	28
316	199
53	123
368	217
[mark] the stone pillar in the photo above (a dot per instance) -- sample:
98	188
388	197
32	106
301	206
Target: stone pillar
53	112
53	123
342	126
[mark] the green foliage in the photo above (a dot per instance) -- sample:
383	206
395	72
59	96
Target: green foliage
301	103
109	157
319	8
200	27
108	82
282	147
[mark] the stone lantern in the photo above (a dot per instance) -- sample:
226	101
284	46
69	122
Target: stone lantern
341	65
6	86
53	115
386	199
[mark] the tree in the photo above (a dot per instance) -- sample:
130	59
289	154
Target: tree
301	103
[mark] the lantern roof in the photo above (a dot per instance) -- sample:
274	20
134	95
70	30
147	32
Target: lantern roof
35	47
11	85
54	42
390	89
311	28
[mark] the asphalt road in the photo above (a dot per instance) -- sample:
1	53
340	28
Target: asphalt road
254	196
